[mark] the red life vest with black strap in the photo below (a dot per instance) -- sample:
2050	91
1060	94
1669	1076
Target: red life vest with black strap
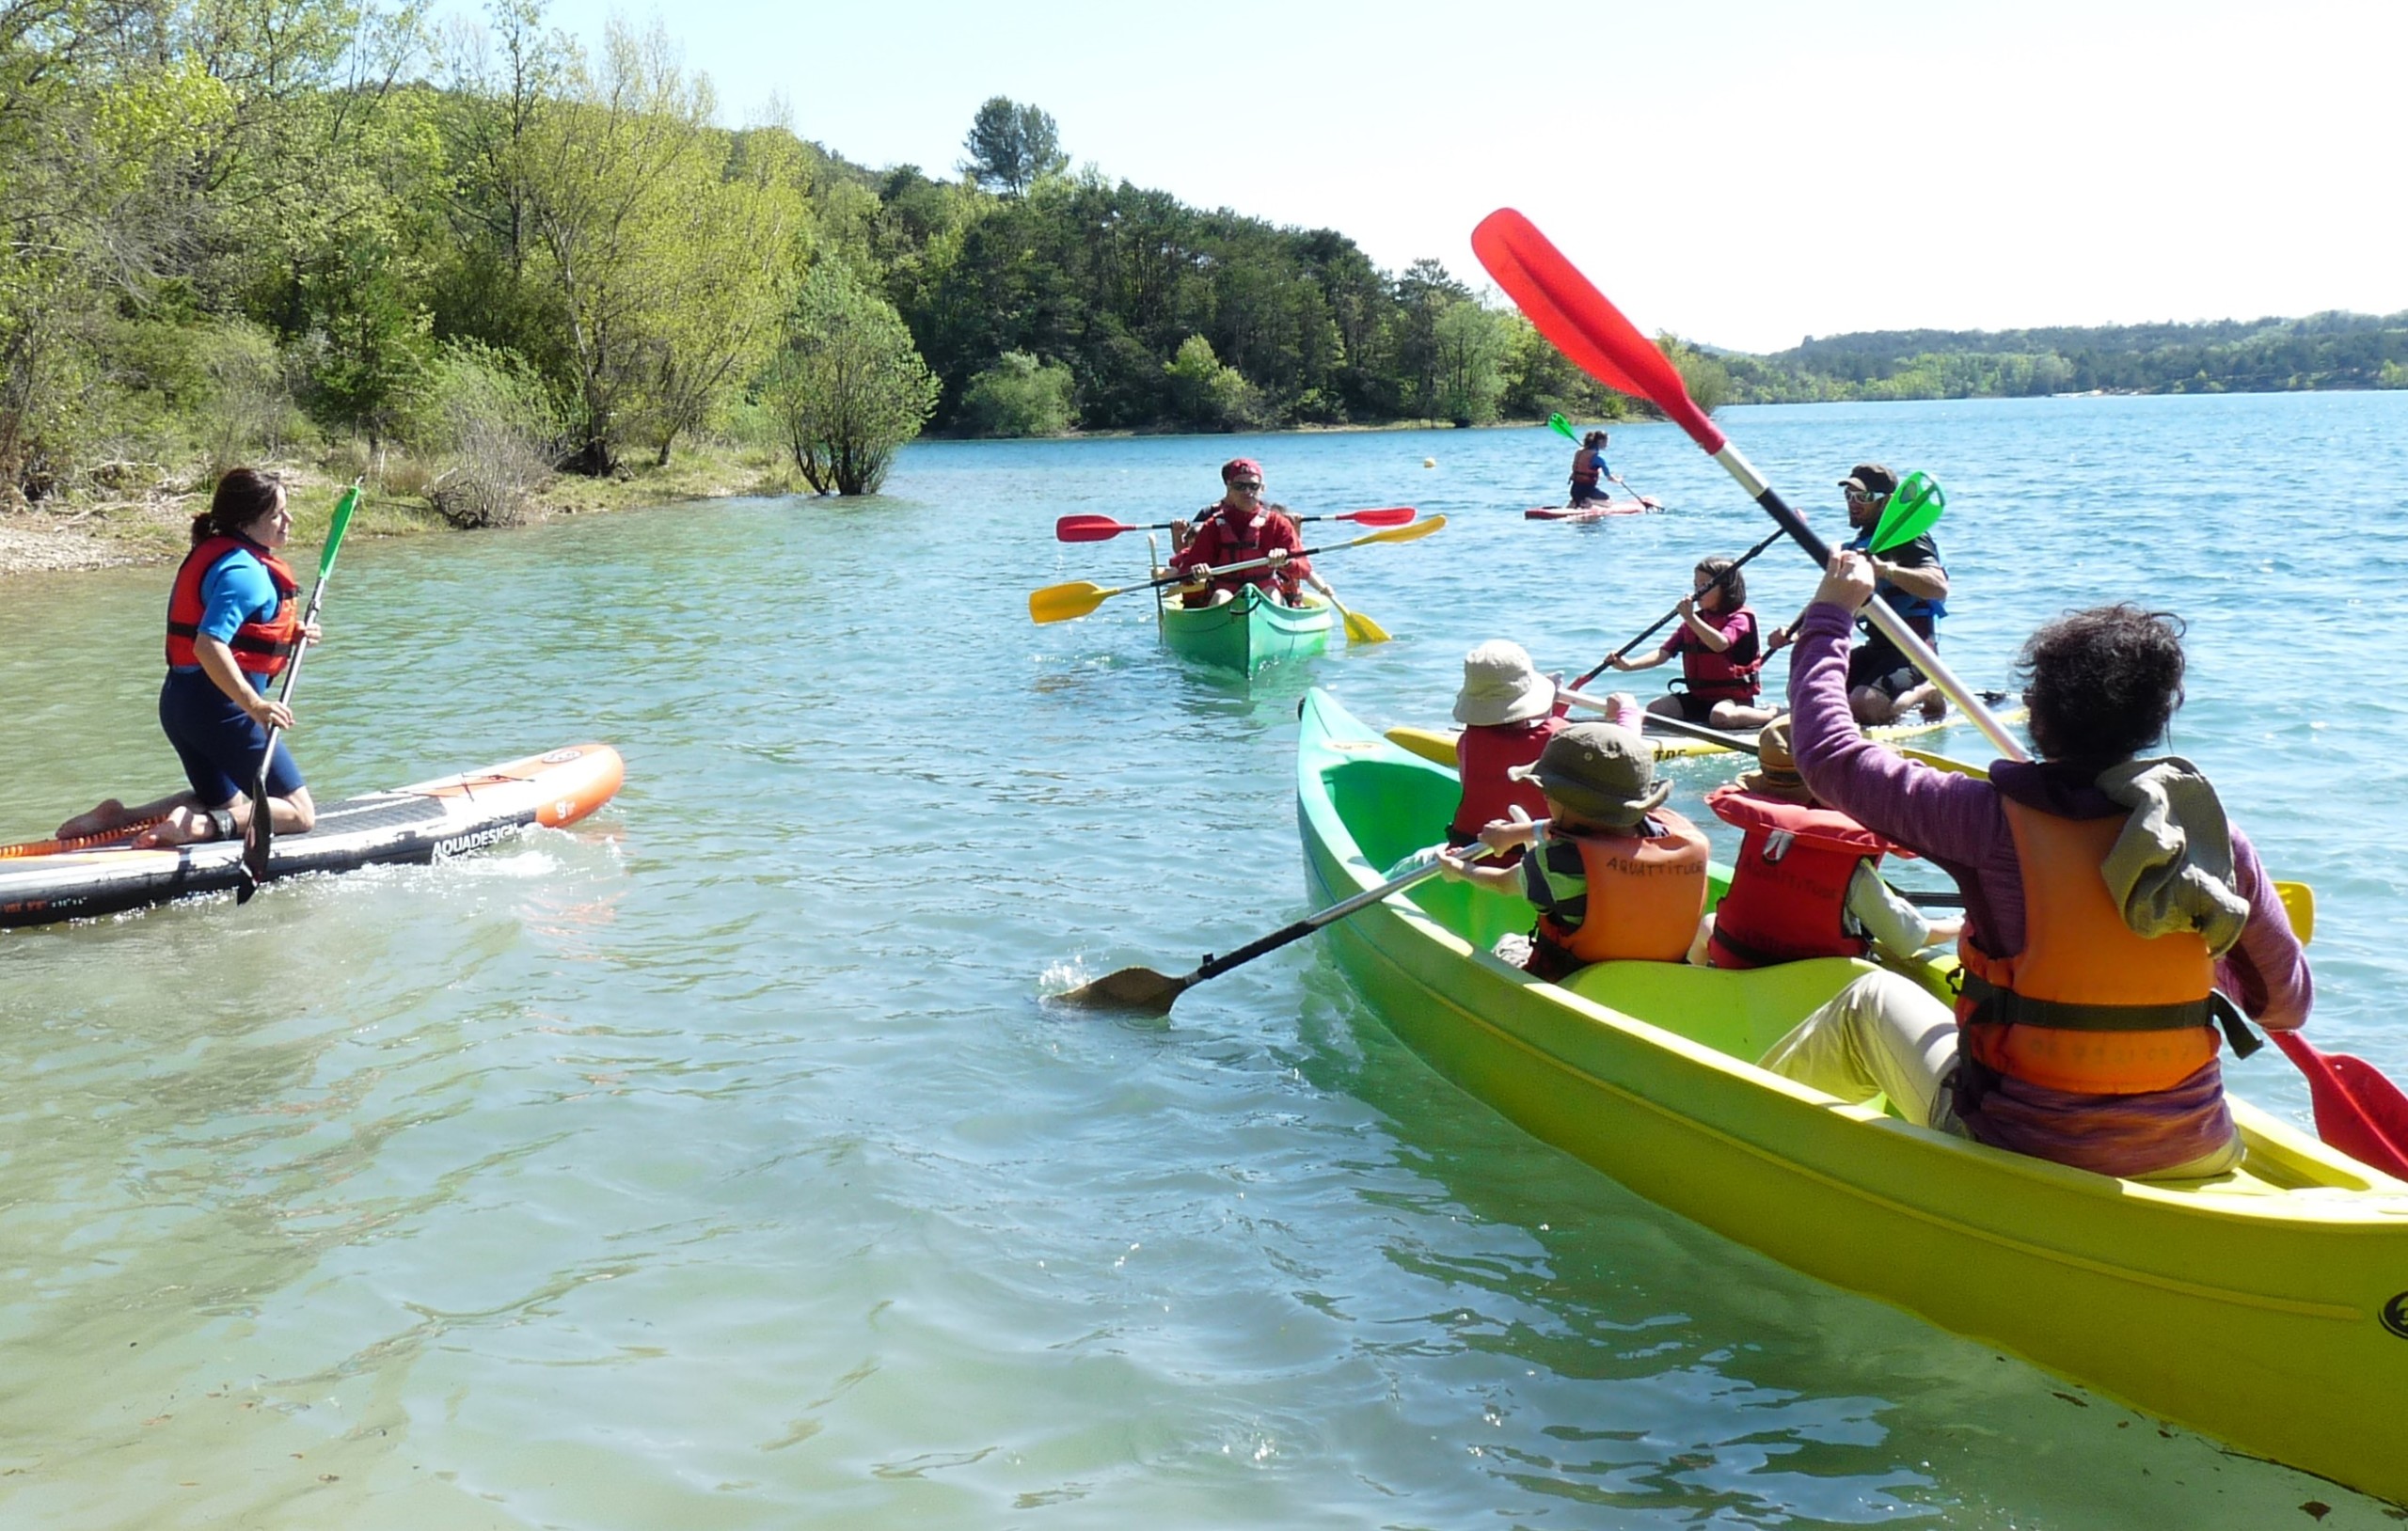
1484	753
2089	1006
261	648
1788	895
1241	543
1728	676
1636	898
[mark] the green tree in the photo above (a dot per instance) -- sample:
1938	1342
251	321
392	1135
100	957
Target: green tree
1012	146
1473	343
608	173
1207	393
1708	380
1018	396
847	388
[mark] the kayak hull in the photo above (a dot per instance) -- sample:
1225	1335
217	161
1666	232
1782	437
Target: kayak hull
413	824
1587	512
1437	745
2265	1308
1247	631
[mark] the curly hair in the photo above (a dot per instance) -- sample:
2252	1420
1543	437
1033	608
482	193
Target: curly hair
2102	684
243	496
1734	580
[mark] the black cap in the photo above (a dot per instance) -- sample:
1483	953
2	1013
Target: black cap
1872	478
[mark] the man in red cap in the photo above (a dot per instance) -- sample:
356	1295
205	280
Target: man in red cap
1240	528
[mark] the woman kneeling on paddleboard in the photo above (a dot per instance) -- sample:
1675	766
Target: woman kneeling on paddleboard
2109	910
233	626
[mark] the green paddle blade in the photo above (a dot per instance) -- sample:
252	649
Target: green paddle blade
334	532
1911	512
1563	428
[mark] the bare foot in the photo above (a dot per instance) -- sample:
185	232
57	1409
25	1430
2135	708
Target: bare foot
184	827
107	816
1935	707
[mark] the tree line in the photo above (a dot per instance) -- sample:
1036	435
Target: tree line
2265	356
236	229
481	249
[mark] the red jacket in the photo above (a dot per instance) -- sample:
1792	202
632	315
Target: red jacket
1217	543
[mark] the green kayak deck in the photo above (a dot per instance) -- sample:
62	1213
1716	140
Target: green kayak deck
1247	631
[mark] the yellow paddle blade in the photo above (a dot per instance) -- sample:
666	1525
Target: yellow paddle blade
1362	629
2299	902
1060	603
1401	534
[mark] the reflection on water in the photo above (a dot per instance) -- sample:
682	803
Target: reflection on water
717	1163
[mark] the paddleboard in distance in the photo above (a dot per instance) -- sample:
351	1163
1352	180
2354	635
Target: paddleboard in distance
1589	513
413	824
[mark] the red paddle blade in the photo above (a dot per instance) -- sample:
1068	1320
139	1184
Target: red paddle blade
1569	310
1387	516
1089	529
2357	1110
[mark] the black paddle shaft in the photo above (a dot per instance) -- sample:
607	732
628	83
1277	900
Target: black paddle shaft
1719	581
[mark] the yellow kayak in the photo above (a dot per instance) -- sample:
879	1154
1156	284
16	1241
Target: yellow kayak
1437	745
2267	1308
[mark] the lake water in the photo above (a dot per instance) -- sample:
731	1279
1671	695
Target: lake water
714	1164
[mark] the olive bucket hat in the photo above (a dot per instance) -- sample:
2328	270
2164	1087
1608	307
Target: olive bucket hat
1600	772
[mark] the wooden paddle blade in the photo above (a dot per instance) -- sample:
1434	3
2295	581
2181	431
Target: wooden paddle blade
1569	310
1387	516
1089	529
1060	603
1131	989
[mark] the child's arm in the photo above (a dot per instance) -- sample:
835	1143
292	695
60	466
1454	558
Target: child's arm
1498	834
1704	632
1649	663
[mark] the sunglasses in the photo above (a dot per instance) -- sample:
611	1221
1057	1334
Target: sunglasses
1248	486
1862	496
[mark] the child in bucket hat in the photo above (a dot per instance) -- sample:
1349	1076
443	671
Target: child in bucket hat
1509	712
1613	873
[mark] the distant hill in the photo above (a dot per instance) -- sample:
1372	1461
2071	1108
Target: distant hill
2262	356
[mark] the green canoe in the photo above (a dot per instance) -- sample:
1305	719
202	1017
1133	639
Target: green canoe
1248	631
2267	1308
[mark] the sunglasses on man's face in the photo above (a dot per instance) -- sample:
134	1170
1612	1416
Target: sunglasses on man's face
1862	496
1245	487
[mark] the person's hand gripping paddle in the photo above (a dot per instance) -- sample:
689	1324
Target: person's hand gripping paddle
258	839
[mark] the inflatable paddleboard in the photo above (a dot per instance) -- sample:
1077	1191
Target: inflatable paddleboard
412	824
1589	513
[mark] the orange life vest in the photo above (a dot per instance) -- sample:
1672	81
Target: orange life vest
1639	897
1584	467
1788	895
261	648
2087	1006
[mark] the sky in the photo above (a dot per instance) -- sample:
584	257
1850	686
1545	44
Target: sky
1745	173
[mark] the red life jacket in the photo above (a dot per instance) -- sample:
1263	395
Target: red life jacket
2087	1006
1639	896
261	648
1788	895
1484	753
1584	469
1728	676
1243	544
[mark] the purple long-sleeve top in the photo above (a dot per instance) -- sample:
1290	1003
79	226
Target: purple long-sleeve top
1959	823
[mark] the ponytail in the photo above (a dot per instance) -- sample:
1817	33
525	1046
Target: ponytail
243	496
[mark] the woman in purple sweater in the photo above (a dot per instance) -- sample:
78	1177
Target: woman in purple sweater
2112	915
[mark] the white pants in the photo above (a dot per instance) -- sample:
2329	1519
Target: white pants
1884	1035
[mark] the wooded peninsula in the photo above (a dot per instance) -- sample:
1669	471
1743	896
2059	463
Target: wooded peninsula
463	259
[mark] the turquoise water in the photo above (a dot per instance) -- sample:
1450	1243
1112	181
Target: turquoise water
714	1164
